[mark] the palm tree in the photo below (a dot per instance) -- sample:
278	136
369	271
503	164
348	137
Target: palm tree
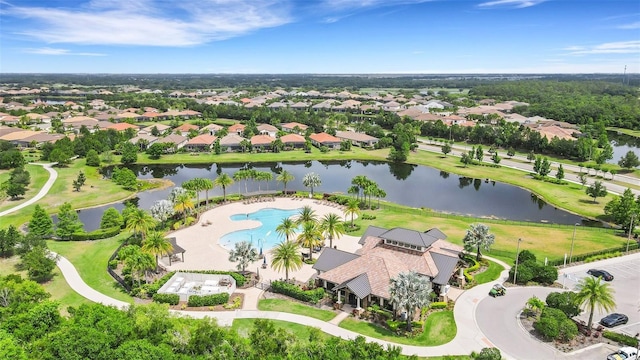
311	180
287	228
353	208
592	293
207	185
285	256
285	177
310	237
361	182
195	185
380	194
156	244
307	214
263	176
223	181
244	253
136	260
535	305
139	222
183	203
478	237
409	291
332	227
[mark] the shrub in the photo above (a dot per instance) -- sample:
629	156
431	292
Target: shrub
237	302
438	305
546	274
467	272
526	272
548	327
526	255
349	229
208	300
621	338
288	289
488	354
368	217
113	264
567	329
171	299
564	301
96	234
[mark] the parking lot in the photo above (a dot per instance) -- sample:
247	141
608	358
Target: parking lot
626	284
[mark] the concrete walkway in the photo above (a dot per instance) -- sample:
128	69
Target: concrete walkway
53	175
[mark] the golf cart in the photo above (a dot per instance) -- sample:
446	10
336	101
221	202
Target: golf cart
497	290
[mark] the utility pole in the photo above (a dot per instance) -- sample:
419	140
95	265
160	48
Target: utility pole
633	216
515	272
573	239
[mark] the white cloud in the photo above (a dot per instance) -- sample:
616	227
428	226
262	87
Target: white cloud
356	4
518	4
631	26
150	22
619	47
54	51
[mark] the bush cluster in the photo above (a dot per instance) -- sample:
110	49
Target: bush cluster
171	299
367	216
621	338
208	300
565	302
438	305
530	270
474	266
288	289
96	234
602	256
554	324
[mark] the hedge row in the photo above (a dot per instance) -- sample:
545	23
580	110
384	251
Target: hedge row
581	257
171	299
285	288
208	300
438	305
96	234
621	338
467	272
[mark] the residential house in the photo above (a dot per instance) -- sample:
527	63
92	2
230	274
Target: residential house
122	127
358	139
212	129
294	127
293	141
186	128
176	141
143	141
324	139
362	279
149	129
267	129
237	129
231	142
202	142
261	142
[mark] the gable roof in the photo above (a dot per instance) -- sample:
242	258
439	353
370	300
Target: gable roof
186	127
360	285
231	140
292	138
411	237
371	231
332	259
204	139
173	139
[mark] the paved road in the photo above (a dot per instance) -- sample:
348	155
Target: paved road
521	163
53	175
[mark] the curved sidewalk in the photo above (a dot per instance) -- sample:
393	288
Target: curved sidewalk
468	337
53	175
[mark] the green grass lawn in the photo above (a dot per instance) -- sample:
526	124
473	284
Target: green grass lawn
90	259
39	177
440	328
295	308
630	132
490	274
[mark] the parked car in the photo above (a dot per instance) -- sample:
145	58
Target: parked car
497	290
625	353
614	319
605	275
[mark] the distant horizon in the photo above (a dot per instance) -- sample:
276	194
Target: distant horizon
335	37
320	74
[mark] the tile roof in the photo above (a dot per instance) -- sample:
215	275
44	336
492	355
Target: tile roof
261	140
122	126
355	136
324	138
204	139
292	125
292	138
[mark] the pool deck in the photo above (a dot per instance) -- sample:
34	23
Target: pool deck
204	252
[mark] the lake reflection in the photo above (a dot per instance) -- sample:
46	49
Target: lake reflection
411	185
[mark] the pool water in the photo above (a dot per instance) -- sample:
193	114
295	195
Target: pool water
266	233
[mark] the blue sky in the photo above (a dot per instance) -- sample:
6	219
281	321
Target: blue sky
320	36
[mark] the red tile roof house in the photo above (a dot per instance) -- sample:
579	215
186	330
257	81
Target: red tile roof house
358	139
261	142
293	141
291	127
186	128
236	129
123	127
362	279
202	142
324	139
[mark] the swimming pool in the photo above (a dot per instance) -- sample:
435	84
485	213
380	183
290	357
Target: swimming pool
266	233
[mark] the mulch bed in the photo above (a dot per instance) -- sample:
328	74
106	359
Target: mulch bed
581	341
209	308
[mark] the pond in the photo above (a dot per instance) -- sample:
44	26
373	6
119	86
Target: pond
622	144
410	185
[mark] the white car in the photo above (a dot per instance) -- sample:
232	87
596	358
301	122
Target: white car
625	353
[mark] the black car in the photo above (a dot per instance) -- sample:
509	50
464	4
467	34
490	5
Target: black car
600	273
614	319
